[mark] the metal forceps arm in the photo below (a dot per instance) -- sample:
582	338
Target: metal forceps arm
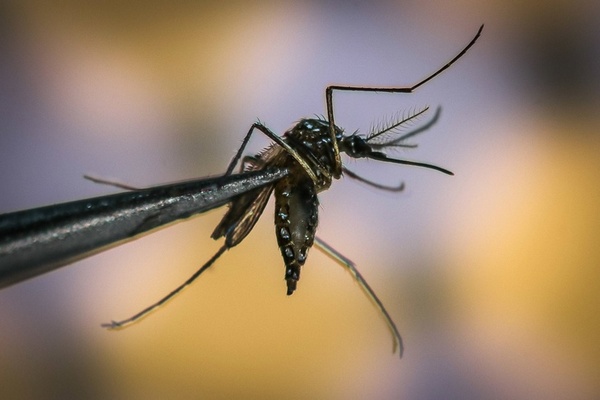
39	240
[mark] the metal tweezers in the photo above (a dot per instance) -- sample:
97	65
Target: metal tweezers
40	240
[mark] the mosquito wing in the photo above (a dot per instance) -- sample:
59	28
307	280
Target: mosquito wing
242	215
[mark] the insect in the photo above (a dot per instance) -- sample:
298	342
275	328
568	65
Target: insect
311	151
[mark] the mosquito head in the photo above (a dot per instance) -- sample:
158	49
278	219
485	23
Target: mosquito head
355	145
391	135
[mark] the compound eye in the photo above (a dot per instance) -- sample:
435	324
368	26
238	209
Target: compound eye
355	146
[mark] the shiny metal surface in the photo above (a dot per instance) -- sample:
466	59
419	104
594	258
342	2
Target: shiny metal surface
36	241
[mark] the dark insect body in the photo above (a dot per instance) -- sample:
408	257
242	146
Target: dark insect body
310	150
296	201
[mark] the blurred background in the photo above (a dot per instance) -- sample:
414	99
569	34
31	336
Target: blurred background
492	275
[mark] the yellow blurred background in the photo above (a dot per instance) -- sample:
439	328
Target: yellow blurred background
492	276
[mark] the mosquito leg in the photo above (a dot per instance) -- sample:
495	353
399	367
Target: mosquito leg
240	151
350	267
376	185
409	89
277	139
290	150
257	125
114	325
103	181
145	312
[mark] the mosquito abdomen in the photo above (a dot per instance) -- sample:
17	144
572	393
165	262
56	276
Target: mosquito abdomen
296	219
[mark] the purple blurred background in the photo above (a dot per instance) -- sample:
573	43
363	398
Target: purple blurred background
492	276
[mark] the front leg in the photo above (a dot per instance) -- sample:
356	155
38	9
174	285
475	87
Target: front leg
238	154
280	142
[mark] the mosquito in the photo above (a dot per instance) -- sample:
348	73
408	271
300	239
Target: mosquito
311	150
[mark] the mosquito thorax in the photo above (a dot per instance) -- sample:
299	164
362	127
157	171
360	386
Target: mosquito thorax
311	139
